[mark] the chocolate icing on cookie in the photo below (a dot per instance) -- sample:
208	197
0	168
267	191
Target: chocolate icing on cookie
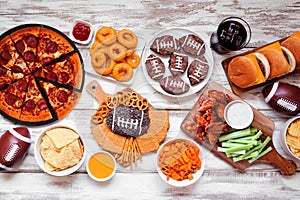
198	70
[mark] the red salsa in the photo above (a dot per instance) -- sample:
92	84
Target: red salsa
81	31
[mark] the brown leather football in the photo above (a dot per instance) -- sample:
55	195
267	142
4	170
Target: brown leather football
14	144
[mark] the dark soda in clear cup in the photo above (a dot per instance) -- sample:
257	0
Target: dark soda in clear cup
233	33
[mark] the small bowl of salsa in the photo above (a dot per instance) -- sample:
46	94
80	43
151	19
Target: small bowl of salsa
81	32
101	166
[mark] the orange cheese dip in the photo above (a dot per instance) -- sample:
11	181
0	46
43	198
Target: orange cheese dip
101	165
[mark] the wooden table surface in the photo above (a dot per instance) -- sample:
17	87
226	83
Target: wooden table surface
269	21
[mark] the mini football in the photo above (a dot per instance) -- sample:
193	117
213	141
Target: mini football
174	85
283	97
14	144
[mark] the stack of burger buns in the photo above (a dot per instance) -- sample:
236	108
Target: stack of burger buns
265	63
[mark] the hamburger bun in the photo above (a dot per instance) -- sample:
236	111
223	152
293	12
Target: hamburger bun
289	57
278	63
243	72
263	64
293	44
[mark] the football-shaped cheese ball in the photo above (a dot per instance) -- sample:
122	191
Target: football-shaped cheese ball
128	121
283	97
164	45
14	144
174	85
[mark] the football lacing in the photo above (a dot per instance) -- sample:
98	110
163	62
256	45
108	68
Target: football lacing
12	152
287	104
168	44
176	84
194	44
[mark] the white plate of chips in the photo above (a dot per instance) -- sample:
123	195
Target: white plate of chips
290	137
59	150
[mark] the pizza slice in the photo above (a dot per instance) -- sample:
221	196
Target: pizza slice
26	43
35	107
12	98
61	99
7	77
10	58
68	71
52	45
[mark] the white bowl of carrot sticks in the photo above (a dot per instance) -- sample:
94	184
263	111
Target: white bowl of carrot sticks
180	162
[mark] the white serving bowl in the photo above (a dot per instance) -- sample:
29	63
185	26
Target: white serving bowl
101	179
185	182
41	162
283	134
79	41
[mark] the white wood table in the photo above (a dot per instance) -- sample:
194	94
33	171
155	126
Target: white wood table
269	20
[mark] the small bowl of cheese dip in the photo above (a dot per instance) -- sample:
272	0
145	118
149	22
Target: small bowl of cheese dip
238	114
101	166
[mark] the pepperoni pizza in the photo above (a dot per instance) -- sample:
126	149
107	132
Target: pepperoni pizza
41	74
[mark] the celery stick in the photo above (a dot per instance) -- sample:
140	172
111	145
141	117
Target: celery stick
253	129
239	148
256	148
236	134
230	144
237	153
243	141
261	154
252	155
265	142
257	135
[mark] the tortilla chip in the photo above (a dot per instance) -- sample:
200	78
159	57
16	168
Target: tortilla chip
62	136
49	168
77	148
60	160
294	128
47	143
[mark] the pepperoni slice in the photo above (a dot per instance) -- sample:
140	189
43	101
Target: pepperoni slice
6	55
62	96
51	47
21	85
31	41
16	68
46	60
42	105
29	56
20	46
63	77
29	105
2	71
10	99
51	76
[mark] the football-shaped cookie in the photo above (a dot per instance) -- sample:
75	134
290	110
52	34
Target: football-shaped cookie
155	67
192	44
283	97
128	121
198	70
164	45
174	85
14	144
178	63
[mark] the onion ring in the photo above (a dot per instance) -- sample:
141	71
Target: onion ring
122	72
127	38
133	60
106	35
